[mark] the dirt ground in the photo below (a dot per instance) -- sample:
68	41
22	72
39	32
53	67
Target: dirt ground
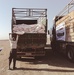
51	65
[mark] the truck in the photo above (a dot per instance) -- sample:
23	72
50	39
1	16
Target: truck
63	32
31	26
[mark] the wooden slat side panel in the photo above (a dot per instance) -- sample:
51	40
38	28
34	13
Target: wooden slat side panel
66	18
69	26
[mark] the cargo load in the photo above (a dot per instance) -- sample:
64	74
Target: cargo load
65	28
24	28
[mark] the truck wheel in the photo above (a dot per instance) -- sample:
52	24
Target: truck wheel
70	54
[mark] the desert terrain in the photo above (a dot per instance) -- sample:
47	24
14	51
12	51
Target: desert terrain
50	65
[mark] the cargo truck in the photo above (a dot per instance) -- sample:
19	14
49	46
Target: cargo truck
31	26
63	32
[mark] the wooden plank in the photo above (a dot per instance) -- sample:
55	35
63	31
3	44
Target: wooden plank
66	18
69	26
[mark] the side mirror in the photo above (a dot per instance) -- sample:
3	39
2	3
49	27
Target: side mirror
10	35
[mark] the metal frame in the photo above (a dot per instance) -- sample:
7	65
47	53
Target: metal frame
22	13
68	8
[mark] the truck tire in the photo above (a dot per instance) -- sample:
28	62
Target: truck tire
70	53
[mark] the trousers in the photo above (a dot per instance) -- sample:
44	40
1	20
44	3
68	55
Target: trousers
12	57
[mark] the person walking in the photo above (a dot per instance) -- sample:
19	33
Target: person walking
13	42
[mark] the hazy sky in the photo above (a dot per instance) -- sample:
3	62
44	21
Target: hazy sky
53	8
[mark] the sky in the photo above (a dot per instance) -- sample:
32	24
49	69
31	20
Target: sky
53	8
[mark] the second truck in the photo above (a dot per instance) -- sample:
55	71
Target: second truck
63	32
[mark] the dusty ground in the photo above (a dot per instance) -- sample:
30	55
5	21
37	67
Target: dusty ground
53	65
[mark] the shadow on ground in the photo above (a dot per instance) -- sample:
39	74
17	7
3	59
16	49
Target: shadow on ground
50	70
58	60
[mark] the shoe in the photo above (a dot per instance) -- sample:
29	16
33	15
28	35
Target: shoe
10	68
14	68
